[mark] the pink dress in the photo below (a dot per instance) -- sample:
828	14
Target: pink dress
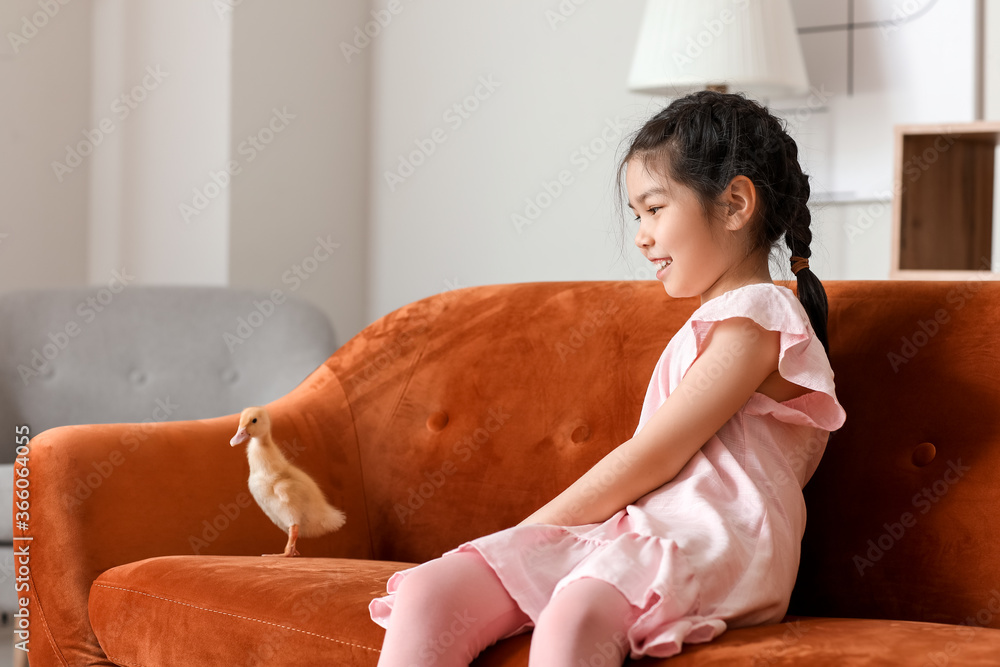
716	547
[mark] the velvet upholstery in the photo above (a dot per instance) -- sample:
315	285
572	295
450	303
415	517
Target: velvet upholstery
459	414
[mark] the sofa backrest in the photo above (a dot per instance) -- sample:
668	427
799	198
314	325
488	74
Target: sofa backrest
98	355
474	407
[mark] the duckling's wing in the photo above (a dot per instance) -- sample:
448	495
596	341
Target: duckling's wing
283	502
316	515
302	478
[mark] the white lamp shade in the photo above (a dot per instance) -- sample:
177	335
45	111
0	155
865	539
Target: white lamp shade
749	45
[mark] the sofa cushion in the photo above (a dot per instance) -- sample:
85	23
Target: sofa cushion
227	610
806	641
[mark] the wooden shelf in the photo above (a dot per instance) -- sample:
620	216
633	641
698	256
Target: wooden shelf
942	226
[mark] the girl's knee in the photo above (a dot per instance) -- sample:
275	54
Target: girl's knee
585	623
451	608
457	571
590	605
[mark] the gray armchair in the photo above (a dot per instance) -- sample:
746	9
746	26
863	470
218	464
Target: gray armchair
89	356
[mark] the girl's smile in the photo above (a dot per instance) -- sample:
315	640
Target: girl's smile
662	271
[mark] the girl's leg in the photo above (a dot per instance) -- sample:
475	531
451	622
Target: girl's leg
446	612
584	624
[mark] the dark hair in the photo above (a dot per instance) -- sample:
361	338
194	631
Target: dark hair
706	139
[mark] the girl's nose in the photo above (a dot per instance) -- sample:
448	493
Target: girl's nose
642	238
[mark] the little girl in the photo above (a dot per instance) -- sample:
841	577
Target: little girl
694	524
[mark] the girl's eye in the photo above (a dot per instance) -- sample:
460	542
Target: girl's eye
652	210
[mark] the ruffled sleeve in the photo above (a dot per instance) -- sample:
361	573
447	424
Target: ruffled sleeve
801	358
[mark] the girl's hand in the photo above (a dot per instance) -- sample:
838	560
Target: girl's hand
739	355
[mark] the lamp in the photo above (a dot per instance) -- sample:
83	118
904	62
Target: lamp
735	45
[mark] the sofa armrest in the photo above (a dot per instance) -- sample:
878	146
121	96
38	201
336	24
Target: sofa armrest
104	495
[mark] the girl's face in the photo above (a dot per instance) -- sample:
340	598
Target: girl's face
673	225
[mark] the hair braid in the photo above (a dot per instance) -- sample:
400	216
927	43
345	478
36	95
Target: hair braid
798	238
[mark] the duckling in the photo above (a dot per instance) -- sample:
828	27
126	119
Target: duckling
288	496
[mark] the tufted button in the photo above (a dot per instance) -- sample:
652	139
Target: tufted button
230	375
580	433
48	371
923	454
137	377
437	420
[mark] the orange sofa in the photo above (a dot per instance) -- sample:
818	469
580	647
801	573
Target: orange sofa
460	414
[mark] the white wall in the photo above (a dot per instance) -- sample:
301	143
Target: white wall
44	107
310	181
160	108
450	223
447	225
562	78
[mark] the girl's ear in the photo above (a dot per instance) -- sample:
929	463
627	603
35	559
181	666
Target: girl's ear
740	196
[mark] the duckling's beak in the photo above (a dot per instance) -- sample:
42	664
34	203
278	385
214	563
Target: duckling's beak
240	436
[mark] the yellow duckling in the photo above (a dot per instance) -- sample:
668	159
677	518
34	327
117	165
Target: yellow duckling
288	496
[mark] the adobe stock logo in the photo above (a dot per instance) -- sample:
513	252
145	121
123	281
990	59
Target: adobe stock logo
295	276
121	108
224	8
701	42
381	19
455	116
249	148
38	20
923	501
60	339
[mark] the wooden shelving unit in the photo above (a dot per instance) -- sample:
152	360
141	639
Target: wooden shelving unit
943	208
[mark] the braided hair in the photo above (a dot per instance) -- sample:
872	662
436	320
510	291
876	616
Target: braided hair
703	141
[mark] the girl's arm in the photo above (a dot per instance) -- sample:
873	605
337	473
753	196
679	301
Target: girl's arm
739	355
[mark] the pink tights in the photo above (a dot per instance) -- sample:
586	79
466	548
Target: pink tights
453	607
